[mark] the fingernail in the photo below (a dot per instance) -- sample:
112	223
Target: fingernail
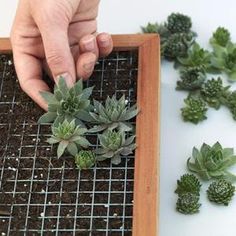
89	66
68	79
89	44
104	40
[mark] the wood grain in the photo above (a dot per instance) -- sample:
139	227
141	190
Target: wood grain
146	177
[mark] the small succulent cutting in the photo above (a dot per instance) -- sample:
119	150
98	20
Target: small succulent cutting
221	192
188	183
195	110
220	37
178	23
224	60
114	115
85	159
66	103
214	93
196	56
191	79
177	45
69	136
114	144
212	162
231	104
188	203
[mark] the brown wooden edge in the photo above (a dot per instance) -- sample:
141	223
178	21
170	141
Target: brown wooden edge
146	178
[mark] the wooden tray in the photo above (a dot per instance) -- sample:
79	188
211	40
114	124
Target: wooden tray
146	178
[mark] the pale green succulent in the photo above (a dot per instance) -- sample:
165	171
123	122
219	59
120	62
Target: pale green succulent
212	162
69	136
220	37
114	114
114	144
85	159
66	103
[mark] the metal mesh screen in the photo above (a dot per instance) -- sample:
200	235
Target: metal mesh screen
43	195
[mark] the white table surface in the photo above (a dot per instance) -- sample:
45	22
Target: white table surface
177	137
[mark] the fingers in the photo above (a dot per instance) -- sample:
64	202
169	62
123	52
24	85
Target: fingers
29	72
85	64
90	47
105	44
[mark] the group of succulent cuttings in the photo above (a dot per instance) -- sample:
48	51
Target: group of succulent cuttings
73	116
210	162
178	44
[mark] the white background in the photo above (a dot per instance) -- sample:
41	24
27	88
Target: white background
177	137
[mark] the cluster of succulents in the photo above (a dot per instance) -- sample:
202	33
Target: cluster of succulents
188	190
176	35
210	162
73	115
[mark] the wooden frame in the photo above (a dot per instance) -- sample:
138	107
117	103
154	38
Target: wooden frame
146	177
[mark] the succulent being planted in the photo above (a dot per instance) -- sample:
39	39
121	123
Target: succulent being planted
212	162
178	23
221	192
69	136
195	110
114	144
191	79
196	56
224	59
214	93
220	37
188	183
188	203
114	115
85	159
66	103
177	45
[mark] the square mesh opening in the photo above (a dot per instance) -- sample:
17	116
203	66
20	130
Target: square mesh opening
43	195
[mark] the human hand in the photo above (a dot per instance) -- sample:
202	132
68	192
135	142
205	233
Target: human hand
57	35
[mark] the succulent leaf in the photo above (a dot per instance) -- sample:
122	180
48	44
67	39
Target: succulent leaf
220	37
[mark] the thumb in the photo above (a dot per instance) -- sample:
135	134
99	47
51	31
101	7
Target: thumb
58	53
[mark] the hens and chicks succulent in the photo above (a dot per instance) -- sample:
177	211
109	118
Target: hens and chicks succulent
73	115
178	44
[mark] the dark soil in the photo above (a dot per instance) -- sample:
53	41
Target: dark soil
41	193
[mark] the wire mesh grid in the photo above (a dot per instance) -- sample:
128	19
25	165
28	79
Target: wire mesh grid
43	195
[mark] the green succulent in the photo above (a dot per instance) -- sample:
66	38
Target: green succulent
231	103
69	136
66	103
212	162
220	37
221	192
178	23
188	203
191	79
177	45
224	60
188	183
196	57
114	115
195	110
85	159
114	144
214	93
